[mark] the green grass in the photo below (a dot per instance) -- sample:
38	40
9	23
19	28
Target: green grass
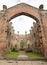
29	54
34	55
11	55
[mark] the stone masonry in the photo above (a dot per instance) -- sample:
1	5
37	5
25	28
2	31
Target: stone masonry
40	15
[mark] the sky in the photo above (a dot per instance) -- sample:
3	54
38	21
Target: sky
22	23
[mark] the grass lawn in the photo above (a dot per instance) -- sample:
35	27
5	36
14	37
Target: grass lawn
11	55
29	54
34	55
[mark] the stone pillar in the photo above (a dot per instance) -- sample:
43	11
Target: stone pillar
3	34
25	45
43	20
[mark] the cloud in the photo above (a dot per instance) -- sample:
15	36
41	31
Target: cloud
36	3
23	0
9	3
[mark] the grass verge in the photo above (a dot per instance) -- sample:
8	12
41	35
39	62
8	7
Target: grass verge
11	55
34	55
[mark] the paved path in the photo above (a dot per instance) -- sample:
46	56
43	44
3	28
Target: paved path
22	55
11	62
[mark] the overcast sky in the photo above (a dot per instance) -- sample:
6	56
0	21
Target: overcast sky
23	23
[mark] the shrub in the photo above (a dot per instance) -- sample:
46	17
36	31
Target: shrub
14	48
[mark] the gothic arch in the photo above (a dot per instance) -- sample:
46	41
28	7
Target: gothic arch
22	9
25	9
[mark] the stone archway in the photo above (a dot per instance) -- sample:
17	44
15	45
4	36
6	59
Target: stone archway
23	9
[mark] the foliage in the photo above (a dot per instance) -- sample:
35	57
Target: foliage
14	48
22	44
11	54
34	55
28	46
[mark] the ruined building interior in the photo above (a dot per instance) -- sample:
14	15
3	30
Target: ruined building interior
36	40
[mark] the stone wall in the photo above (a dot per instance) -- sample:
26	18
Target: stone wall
39	15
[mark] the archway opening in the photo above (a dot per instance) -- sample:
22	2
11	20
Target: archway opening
24	24
30	35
